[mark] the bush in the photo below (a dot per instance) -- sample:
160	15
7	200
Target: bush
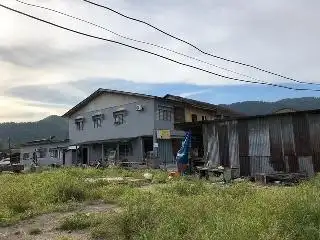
16	197
69	191
80	221
185	188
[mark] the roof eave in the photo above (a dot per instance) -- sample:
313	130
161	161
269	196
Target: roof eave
96	94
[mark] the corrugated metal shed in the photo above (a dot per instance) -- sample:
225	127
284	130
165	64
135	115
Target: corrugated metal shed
314	130
233	144
276	145
286	142
211	143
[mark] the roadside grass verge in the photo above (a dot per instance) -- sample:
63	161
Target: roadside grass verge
181	209
26	195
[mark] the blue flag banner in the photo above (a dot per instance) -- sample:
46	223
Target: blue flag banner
183	153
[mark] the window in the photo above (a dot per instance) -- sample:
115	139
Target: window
53	153
97	120
164	113
204	118
125	149
194	117
25	156
118	118
79	126
79	123
42	152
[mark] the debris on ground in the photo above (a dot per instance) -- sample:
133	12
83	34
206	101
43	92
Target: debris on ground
119	180
148	176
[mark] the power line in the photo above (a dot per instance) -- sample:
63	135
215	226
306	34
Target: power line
197	48
155	54
139	41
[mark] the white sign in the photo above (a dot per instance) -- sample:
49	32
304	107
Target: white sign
156	145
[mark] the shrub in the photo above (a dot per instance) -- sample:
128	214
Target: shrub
16	197
185	188
69	191
79	221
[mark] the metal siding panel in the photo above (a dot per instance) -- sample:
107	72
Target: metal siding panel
244	160
212	145
306	165
314	131
165	151
223	144
276	148
259	144
288	143
205	137
301	135
233	144
260	164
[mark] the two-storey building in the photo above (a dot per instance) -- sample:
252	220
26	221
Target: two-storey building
128	125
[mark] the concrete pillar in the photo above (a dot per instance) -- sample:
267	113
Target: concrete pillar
102	152
155	142
142	149
118	152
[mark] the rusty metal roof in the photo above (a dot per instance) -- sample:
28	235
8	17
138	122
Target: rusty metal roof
313	111
203	105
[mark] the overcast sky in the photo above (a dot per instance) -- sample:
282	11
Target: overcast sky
44	70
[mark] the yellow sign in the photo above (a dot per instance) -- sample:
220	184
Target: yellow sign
164	134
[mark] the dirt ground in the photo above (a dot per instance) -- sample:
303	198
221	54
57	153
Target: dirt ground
48	223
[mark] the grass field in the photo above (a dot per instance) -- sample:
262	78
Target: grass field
178	209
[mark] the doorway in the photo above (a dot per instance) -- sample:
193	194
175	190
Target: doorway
63	157
84	155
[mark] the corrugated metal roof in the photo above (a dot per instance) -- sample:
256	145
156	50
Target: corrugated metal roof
314	111
203	105
43	142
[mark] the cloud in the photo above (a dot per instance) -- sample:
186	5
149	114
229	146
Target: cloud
189	94
42	94
278	35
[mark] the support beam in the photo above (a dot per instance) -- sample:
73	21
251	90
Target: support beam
118	153
102	152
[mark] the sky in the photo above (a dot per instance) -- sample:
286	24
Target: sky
45	70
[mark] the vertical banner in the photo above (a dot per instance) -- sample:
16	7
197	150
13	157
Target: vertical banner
182	158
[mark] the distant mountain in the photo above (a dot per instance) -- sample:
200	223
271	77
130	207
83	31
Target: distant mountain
260	108
23	132
58	126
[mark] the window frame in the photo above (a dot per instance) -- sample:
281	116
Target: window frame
164	113
194	118
79	122
53	150
24	156
117	115
97	120
97	123
43	152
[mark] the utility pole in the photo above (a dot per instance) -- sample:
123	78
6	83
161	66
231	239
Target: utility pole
9	143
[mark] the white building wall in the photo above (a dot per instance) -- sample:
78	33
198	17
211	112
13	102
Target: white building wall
46	159
108	100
